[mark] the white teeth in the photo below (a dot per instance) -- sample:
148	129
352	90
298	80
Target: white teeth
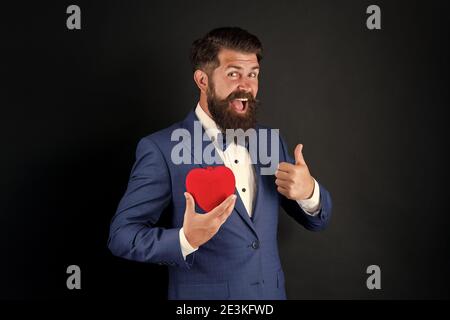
242	99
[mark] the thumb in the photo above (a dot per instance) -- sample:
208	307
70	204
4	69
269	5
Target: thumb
299	155
190	203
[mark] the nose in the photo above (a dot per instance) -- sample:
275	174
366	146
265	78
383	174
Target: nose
244	86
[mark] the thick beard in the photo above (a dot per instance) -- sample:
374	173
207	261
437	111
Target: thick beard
224	115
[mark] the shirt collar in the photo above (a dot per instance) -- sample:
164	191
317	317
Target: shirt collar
210	126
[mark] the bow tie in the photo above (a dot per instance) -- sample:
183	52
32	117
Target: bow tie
224	144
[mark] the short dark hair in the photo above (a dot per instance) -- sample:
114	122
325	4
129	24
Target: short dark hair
204	51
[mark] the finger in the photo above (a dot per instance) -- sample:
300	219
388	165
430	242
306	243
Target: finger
283	183
282	175
285	167
283	191
226	214
220	209
227	211
298	154
190	202
221	218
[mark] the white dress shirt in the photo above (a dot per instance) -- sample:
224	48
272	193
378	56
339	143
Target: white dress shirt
237	158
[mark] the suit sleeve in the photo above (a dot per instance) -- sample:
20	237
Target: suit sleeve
315	222
133	234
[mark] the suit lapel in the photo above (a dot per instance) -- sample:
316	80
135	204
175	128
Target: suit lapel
267	149
258	190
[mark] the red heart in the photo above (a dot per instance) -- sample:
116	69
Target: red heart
210	186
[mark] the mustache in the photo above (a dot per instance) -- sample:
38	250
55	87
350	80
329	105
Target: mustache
241	95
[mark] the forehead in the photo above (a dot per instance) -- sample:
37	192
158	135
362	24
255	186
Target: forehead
229	57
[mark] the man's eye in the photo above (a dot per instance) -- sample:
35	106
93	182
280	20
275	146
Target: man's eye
232	74
253	75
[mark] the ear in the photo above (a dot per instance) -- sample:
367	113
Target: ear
201	79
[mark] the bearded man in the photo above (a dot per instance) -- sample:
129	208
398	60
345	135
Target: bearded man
231	251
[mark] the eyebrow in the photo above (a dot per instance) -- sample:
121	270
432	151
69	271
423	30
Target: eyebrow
239	67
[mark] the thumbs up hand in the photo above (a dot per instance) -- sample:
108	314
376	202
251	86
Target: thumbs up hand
294	180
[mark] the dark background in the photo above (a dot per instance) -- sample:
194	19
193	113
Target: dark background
369	107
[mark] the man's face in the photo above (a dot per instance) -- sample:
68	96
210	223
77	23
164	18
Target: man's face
232	90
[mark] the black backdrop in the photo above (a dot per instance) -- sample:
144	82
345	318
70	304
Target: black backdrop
369	107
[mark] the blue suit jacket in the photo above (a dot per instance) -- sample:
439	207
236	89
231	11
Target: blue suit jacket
240	262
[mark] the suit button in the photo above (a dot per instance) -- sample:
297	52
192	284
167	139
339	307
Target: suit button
255	244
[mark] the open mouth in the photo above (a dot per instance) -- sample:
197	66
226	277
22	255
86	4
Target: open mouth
239	105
